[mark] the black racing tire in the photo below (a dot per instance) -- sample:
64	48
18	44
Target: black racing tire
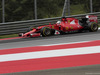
93	27
45	31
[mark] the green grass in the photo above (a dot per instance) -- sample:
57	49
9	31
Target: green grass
8	36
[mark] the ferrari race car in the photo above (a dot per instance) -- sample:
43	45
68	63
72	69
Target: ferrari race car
65	25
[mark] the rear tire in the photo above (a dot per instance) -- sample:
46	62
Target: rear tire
93	27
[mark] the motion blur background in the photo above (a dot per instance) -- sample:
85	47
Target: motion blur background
20	10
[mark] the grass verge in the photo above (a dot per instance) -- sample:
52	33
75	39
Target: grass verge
8	36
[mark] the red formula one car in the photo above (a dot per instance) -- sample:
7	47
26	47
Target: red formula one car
64	26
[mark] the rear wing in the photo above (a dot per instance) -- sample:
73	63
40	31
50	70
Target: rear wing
92	18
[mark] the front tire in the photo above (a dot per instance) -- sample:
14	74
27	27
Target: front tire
45	31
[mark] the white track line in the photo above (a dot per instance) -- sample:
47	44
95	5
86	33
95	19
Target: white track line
50	53
65	43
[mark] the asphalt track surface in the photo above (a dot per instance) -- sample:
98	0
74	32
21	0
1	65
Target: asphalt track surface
68	38
57	39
